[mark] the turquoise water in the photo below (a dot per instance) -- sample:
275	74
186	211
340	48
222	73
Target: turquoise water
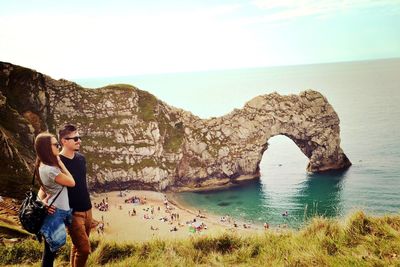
366	96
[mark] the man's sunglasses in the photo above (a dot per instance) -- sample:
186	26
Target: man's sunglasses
75	138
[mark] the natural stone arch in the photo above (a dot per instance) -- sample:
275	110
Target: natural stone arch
223	150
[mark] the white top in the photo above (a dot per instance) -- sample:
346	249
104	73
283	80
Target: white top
48	175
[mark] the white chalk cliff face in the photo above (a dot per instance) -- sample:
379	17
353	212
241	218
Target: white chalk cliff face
133	140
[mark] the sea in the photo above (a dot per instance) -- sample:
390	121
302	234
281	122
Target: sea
366	97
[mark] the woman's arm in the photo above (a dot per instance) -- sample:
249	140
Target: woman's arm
44	197
41	193
64	178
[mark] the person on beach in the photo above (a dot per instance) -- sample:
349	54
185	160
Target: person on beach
54	179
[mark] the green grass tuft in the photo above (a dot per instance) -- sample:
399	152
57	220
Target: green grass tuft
8	230
222	244
109	252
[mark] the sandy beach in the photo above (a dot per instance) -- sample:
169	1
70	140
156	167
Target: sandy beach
169	219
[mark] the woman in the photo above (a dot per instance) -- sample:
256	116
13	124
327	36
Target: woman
53	177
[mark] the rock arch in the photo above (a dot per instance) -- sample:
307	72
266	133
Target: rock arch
223	150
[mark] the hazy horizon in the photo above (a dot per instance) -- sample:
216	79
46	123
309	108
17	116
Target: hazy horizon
231	69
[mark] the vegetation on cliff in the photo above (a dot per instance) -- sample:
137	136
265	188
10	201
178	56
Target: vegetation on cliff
360	240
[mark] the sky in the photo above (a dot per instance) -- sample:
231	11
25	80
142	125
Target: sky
81	39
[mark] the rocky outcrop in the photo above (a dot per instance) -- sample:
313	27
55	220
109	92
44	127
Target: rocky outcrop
131	139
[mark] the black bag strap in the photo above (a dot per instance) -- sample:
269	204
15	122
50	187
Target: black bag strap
33	183
56	196
33	176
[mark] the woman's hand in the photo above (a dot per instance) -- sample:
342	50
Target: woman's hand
50	209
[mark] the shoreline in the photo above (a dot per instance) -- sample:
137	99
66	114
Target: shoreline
213	217
156	220
241	180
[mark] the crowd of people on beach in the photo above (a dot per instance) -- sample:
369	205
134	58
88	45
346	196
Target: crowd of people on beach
103	205
229	221
136	200
168	215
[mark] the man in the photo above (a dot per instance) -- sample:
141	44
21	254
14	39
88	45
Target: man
79	198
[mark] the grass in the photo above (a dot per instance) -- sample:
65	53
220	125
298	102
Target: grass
173	136
9	230
147	105
360	240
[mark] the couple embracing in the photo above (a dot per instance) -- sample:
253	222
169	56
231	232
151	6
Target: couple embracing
62	176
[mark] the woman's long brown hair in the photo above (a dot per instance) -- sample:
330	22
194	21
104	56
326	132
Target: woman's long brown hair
44	152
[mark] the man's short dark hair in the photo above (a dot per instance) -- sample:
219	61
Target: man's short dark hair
66	130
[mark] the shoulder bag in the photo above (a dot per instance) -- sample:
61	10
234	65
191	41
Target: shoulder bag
33	211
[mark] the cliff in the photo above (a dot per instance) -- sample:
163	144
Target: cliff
133	140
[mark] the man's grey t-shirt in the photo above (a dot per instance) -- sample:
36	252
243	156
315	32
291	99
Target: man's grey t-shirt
48	175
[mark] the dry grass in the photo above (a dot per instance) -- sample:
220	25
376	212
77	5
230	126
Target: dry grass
360	240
